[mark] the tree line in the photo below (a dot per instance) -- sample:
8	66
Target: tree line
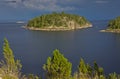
56	20
115	23
56	67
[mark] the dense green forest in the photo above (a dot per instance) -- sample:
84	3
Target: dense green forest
114	24
56	67
58	20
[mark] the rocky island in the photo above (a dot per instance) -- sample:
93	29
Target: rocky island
58	22
113	26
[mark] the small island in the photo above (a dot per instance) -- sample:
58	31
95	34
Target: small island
113	26
58	22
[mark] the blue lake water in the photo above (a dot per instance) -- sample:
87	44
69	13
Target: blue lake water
33	47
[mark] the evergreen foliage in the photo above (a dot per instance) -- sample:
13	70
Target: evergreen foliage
88	72
113	76
115	23
82	67
56	20
98	70
57	66
9	66
32	76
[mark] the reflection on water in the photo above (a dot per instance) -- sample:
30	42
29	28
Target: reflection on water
33	47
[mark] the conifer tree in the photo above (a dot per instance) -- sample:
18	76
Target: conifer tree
82	67
57	66
9	66
84	70
98	70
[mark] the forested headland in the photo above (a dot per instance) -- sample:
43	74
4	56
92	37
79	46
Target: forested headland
57	66
58	21
113	25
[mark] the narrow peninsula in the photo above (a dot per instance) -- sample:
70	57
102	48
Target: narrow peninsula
58	22
113	26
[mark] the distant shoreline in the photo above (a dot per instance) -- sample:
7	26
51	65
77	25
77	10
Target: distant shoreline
111	30
57	28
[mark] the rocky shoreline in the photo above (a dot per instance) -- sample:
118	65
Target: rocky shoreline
56	28
111	30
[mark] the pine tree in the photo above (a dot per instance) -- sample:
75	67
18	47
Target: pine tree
9	66
57	66
98	70
82	67
83	70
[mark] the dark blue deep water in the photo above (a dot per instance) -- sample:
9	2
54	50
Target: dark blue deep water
33	47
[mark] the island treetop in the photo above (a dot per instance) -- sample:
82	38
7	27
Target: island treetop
113	26
58	21
115	23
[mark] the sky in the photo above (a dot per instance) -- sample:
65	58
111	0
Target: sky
27	9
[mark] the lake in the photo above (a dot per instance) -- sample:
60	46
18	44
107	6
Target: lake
33	47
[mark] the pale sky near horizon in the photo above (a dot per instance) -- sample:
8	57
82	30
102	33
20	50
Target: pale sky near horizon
27	9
